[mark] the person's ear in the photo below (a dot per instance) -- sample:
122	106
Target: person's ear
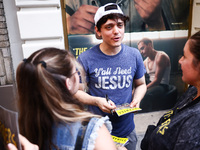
150	45
97	33
69	84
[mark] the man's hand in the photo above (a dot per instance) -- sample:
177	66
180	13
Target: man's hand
82	21
150	12
135	103
104	105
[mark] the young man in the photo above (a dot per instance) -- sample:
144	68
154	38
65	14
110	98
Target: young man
158	66
113	69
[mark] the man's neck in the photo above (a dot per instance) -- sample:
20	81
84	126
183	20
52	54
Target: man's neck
152	55
108	50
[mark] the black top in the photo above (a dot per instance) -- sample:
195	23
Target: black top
179	128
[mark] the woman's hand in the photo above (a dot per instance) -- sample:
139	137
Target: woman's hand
26	145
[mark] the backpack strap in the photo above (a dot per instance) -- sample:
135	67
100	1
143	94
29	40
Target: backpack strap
81	135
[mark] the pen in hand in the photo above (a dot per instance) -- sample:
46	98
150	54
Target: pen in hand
109	103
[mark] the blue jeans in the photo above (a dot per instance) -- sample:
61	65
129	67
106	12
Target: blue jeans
131	145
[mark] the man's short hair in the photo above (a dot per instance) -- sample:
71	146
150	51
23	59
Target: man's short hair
146	41
112	17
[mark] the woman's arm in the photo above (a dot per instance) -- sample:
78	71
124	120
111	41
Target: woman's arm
104	140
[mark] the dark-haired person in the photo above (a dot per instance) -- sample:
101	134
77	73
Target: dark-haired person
178	129
158	67
49	115
112	69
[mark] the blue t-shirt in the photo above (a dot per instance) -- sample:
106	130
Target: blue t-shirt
113	75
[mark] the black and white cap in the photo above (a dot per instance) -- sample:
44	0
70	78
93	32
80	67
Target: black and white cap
107	9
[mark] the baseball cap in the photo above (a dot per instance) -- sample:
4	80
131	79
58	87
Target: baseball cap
107	9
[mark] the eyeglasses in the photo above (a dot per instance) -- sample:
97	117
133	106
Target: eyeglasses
75	72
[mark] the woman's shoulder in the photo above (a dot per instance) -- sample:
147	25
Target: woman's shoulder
188	94
191	113
62	132
93	127
98	122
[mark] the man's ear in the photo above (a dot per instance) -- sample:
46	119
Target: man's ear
68	84
150	44
97	33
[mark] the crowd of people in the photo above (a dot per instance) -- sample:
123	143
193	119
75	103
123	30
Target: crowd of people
54	89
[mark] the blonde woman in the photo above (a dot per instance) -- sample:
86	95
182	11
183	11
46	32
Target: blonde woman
49	115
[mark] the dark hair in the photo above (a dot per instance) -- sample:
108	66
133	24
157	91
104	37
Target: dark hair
112	16
146	41
194	45
43	98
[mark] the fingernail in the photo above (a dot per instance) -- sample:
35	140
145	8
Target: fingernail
10	145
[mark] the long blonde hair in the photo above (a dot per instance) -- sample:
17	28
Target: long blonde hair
43	98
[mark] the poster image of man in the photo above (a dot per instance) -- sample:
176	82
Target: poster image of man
158	67
151	15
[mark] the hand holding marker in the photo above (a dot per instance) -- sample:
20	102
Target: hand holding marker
122	109
108	100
